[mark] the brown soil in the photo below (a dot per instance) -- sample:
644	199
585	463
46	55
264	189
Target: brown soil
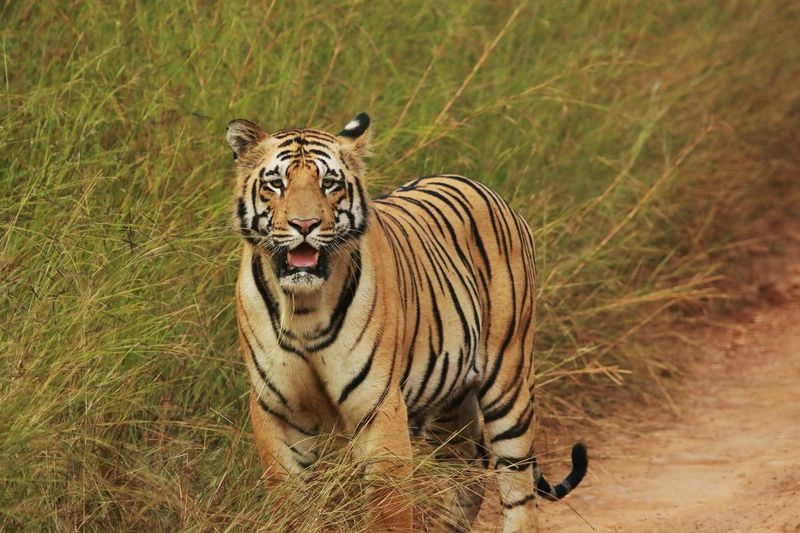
726	457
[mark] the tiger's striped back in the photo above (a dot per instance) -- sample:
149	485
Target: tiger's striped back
459	249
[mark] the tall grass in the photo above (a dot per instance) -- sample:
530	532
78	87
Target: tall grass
638	138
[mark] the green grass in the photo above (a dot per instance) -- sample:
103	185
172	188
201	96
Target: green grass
638	138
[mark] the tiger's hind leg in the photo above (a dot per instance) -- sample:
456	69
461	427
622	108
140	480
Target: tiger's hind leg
459	437
508	416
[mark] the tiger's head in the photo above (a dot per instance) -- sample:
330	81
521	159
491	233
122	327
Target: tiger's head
299	196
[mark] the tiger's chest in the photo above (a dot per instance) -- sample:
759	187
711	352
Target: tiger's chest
280	373
325	366
304	365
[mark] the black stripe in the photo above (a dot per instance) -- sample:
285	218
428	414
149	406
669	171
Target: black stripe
272	309
516	464
475	233
263	374
311	141
356	381
349	191
481	190
490	415
288	132
428	373
364	206
339	313
517	503
367	420
442	379
410	354
483	452
498	362
457	379
456	401
370	314
254	221
399	264
518	429
241	212
301	457
319	136
320	153
285	420
266	295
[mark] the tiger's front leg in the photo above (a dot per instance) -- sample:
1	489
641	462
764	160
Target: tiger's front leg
284	447
382	443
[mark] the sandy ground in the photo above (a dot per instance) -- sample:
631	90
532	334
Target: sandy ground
728	457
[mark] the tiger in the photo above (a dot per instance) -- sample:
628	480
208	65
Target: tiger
385	318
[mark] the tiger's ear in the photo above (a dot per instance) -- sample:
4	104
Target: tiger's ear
242	135
354	139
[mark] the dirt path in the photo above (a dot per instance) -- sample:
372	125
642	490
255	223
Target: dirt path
730	462
729	458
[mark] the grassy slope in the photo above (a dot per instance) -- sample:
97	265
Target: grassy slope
637	139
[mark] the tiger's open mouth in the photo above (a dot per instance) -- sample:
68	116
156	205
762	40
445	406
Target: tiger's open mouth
303	256
301	268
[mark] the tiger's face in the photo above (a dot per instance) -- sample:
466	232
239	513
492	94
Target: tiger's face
300	196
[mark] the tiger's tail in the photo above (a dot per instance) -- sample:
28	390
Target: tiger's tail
580	463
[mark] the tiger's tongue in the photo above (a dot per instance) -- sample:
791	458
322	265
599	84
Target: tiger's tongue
304	256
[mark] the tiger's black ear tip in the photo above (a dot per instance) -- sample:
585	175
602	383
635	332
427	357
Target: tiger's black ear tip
356	127
363	117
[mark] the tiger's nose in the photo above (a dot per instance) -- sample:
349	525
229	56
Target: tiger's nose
304	226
